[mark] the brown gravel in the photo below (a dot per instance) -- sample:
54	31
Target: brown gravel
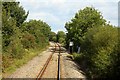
70	68
51	70
30	70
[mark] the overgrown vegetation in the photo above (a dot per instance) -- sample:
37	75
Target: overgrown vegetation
53	37
99	43
21	40
61	37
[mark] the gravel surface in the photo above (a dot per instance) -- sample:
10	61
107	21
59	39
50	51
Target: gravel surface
32	68
51	70
69	69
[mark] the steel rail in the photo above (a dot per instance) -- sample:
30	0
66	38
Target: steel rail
58	75
39	76
45	66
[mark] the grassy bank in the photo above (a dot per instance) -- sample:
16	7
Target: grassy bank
16	63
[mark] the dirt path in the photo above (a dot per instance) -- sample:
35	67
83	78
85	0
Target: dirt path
30	70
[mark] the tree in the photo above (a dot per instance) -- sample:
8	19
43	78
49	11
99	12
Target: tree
19	37
52	36
99	43
60	36
12	16
15	11
84	19
38	29
99	50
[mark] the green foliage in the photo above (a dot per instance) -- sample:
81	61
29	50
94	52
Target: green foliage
52	36
28	41
61	37
98	46
16	11
16	49
9	30
78	26
76	57
35	27
19	36
38	31
99	43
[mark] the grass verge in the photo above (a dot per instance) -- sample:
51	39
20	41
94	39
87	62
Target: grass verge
29	55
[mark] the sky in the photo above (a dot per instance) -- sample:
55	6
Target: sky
57	12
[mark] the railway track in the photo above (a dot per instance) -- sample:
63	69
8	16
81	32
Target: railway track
47	63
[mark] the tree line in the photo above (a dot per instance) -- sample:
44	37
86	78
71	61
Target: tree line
20	36
22	39
98	41
58	37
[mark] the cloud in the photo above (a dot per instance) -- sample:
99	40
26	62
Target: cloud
45	16
57	12
51	19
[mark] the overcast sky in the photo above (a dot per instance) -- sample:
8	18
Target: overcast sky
57	12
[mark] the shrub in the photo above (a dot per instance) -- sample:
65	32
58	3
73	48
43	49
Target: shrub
77	57
28	41
16	49
98	47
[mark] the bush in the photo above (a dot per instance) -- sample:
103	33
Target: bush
18	36
77	57
28	41
16	49
98	47
7	61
